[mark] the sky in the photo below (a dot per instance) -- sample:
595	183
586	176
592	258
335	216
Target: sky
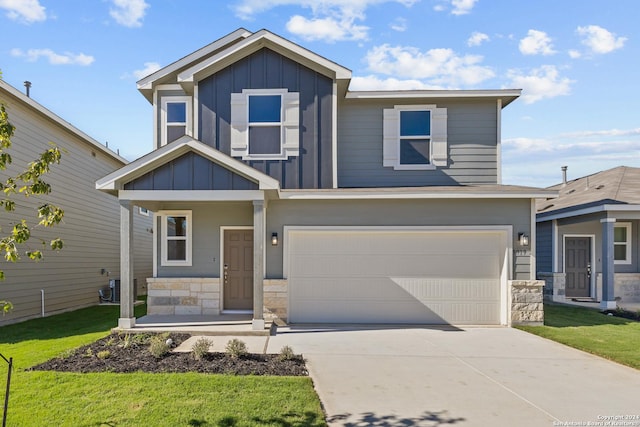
576	61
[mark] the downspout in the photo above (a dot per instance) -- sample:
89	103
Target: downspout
42	300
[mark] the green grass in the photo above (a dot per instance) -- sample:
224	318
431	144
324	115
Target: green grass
104	399
611	337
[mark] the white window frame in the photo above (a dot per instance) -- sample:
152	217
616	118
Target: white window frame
165	262
437	138
626	244
164	123
143	211
289	124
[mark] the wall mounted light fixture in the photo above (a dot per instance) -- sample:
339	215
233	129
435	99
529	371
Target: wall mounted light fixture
523	239
274	239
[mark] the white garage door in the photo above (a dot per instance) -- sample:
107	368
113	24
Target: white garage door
395	276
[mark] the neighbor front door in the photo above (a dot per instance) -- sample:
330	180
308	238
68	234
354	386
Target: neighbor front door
237	270
578	267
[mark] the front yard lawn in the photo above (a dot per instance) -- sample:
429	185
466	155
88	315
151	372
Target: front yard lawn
107	399
611	337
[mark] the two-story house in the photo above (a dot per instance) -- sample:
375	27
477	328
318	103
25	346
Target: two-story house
278	191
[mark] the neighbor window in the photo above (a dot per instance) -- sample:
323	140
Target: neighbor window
622	243
176	238
414	137
176	115
264	124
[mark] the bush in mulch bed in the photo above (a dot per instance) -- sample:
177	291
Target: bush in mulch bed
620	312
142	352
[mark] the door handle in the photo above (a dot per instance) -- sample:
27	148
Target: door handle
589	270
225	275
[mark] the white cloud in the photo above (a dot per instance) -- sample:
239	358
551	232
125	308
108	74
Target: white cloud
149	68
599	40
328	29
399	24
536	43
28	11
477	38
462	7
331	20
128	13
374	83
54	58
574	54
597	133
440	66
541	83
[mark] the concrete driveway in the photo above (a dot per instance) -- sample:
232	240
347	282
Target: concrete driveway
465	377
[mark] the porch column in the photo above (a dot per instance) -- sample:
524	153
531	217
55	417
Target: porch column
127	317
608	301
258	264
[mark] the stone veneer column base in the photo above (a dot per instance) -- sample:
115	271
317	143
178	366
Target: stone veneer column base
526	302
180	295
276	299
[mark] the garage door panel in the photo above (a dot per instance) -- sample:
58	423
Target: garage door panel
386	276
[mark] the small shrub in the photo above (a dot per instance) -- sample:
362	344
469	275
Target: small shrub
201	348
88	353
104	354
158	346
110	341
286	353
236	348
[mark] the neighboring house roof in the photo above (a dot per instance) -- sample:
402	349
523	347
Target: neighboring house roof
597	192
116	180
7	89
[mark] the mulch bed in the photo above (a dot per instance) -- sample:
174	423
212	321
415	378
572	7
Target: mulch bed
624	313
125	353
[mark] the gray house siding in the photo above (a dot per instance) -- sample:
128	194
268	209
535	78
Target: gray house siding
208	218
544	247
431	212
471	143
70	278
191	172
266	69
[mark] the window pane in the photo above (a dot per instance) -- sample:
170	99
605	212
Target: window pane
415	123
414	151
264	140
175	132
176	250
620	252
176	112
264	109
620	234
176	226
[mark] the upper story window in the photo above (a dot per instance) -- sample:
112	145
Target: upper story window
176	118
176	238
622	243
265	124
415	137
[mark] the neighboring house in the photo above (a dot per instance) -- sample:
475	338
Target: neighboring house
68	279
588	238
278	191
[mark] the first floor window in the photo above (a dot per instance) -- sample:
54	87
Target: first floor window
176	238
622	243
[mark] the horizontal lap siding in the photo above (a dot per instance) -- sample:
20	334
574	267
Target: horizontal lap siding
90	229
471	143
266	69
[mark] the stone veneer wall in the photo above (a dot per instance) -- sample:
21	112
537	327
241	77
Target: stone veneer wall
626	287
526	302
554	286
179	296
276	299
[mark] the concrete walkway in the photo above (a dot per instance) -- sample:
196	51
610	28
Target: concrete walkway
467	377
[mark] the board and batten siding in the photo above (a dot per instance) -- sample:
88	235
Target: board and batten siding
266	69
544	247
90	229
471	145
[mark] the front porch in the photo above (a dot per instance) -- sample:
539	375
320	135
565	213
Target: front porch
232	325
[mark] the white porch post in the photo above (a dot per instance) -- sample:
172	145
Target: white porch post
127	317
608	301
258	264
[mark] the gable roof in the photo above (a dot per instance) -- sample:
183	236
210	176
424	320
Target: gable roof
620	185
7	89
116	180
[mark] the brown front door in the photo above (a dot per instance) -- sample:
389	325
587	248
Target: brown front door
578	266
238	270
